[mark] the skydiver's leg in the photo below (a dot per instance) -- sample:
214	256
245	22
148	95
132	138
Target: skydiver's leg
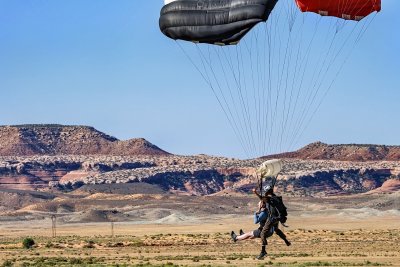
263	252
264	232
282	235
249	235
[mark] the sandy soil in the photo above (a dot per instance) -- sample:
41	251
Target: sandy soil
362	237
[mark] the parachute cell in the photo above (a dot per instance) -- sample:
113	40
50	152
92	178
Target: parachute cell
348	9
222	22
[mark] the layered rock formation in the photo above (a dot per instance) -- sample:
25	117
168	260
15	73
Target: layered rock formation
196	175
55	157
351	152
29	140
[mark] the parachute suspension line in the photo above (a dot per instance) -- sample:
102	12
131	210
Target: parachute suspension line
210	66
289	71
239	57
362	32
244	99
276	85
258	98
285	66
342	6
365	28
294	76
341	67
263	106
267	88
252	122
274	49
253	85
320	80
329	66
307	101
274	107
244	95
235	108
283	78
259	107
306	59
244	114
291	13
238	89
228	106
304	67
212	88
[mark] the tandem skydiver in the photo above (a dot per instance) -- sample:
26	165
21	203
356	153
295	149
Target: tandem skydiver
262	217
276	213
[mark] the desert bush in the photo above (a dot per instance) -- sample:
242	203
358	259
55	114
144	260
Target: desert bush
75	261
28	242
89	244
7	263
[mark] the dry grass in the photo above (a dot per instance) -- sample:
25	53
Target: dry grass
199	245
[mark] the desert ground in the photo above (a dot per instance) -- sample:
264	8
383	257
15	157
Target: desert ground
333	231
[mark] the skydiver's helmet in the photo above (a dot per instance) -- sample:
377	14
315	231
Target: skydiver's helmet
268	189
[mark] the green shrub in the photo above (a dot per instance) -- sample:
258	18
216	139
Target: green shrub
28	243
7	263
75	261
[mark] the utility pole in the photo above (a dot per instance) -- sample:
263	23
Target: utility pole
53	226
112	230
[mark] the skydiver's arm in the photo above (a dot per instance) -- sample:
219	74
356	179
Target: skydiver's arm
256	193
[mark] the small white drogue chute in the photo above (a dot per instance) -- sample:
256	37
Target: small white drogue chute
267	174
270	168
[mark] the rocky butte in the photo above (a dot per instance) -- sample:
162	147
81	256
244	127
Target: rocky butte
351	152
30	140
57	157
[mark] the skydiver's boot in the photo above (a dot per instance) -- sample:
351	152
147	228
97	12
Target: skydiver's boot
263	253
287	242
234	236
241	232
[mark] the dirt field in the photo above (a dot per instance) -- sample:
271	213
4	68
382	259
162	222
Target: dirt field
326	238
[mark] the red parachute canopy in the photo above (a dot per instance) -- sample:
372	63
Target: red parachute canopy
346	9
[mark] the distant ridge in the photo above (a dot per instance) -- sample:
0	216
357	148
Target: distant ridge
55	139
343	152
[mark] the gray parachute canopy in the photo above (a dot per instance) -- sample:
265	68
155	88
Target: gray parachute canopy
222	22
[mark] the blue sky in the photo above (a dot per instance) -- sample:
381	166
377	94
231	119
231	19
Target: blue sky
105	64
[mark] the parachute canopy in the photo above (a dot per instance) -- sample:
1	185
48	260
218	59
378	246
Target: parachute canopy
272	83
347	9
222	22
